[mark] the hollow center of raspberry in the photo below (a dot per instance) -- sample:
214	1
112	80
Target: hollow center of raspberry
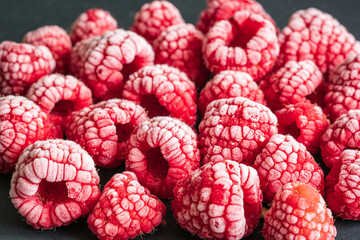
52	192
123	131
292	129
152	106
243	32
63	108
157	164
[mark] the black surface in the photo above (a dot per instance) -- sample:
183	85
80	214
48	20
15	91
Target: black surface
18	17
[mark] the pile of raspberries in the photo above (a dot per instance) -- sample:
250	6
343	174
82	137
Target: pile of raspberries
216	123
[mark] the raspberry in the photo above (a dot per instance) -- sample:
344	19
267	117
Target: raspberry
236	129
247	42
305	122
180	46
340	135
229	84
56	39
163	91
125	209
161	152
22	64
105	62
299	212
103	129
54	184
314	35
93	22
291	84
219	201
284	160
155	17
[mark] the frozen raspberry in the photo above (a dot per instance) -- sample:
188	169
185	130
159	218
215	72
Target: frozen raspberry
180	46
236	129
219	201
105	62
22	64
299	212
161	152
340	135
229	84
305	122
163	91
93	22
56	39
291	84
125	209
155	17
21	123
54	184
247	42
314	35
284	160
103	129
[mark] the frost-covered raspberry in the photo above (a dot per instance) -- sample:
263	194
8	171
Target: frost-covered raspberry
125	209
93	22
284	160
219	201
236	129
299	212
247	42
54	184
155	17
58	42
104	128
21	64
161	152
105	62
180	46
163	91
305	122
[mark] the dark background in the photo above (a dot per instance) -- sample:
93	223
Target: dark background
17	17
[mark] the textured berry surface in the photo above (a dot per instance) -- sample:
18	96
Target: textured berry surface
105	62
161	152
284	160
219	201
155	17
22	64
305	122
93	22
163	91
180	46
235	128
56	39
54	184
103	129
299	212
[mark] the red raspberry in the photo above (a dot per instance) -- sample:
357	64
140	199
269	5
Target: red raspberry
22	64
229	84
105	62
340	135
299	212
314	35
291	84
219	201
247	42
155	17
56	39
93	22
236	129
305	122
163	91
54	184
103	129
125	209
284	160
161	152
180	46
